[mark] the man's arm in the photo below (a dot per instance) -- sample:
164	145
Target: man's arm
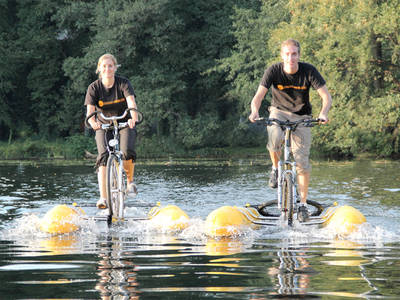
256	102
326	103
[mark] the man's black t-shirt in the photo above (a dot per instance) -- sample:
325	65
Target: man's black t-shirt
112	101
290	92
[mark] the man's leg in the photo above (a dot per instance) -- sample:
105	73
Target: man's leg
275	155
273	176
275	138
301	144
302	181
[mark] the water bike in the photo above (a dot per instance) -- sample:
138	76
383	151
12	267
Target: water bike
228	220
116	177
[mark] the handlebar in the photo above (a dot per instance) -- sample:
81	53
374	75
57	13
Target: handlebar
114	118
305	122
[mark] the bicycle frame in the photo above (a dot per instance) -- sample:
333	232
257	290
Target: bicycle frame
113	149
287	166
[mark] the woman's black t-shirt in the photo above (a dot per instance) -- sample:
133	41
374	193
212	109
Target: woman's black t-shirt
112	101
290	92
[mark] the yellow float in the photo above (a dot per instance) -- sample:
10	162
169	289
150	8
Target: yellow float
170	217
227	221
61	219
344	220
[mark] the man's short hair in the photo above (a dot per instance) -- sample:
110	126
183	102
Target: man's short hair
291	42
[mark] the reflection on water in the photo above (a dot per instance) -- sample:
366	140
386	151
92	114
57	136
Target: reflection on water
138	261
117	274
292	274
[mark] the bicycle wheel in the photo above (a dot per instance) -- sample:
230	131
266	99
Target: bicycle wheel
112	185
287	199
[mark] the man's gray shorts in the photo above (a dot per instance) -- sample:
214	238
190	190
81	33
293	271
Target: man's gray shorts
301	138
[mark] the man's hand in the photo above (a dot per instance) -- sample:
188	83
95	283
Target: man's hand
326	104
253	116
256	103
324	118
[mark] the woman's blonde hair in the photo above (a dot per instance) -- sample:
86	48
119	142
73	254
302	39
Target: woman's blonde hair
103	57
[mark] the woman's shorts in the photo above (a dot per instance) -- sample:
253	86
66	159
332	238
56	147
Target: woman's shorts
127	141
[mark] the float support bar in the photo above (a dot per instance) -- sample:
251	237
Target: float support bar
247	214
254	216
317	221
265	223
267	218
100	218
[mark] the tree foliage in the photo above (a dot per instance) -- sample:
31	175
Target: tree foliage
355	45
195	66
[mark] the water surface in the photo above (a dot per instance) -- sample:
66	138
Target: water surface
139	261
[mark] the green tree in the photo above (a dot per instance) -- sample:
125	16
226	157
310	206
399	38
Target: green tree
251	55
169	50
8	69
355	46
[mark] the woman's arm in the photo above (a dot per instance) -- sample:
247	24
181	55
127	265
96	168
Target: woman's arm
130	100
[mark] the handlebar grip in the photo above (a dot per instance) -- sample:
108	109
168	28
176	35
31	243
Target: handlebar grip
88	117
265	121
140	115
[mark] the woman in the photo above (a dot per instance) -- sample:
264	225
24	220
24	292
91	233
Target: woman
112	94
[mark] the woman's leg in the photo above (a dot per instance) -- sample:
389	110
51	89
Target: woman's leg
127	142
101	163
101	177
129	168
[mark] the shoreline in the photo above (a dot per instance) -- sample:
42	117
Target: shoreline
256	160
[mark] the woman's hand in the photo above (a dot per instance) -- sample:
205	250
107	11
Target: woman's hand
95	125
131	123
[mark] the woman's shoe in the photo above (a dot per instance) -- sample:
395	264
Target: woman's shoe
102	203
131	189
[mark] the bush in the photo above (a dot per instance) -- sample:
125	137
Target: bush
77	145
30	148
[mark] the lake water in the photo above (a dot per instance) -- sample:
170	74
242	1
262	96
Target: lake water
138	261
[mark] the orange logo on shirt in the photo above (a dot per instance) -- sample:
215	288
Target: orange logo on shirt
102	103
283	87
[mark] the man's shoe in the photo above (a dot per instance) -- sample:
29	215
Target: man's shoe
273	179
302	213
131	189
102	203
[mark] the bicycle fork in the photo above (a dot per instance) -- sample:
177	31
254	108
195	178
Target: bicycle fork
283	168
287	166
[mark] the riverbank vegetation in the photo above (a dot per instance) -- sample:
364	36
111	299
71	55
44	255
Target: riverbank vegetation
195	66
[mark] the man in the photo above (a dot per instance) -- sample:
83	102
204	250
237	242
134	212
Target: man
290	81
